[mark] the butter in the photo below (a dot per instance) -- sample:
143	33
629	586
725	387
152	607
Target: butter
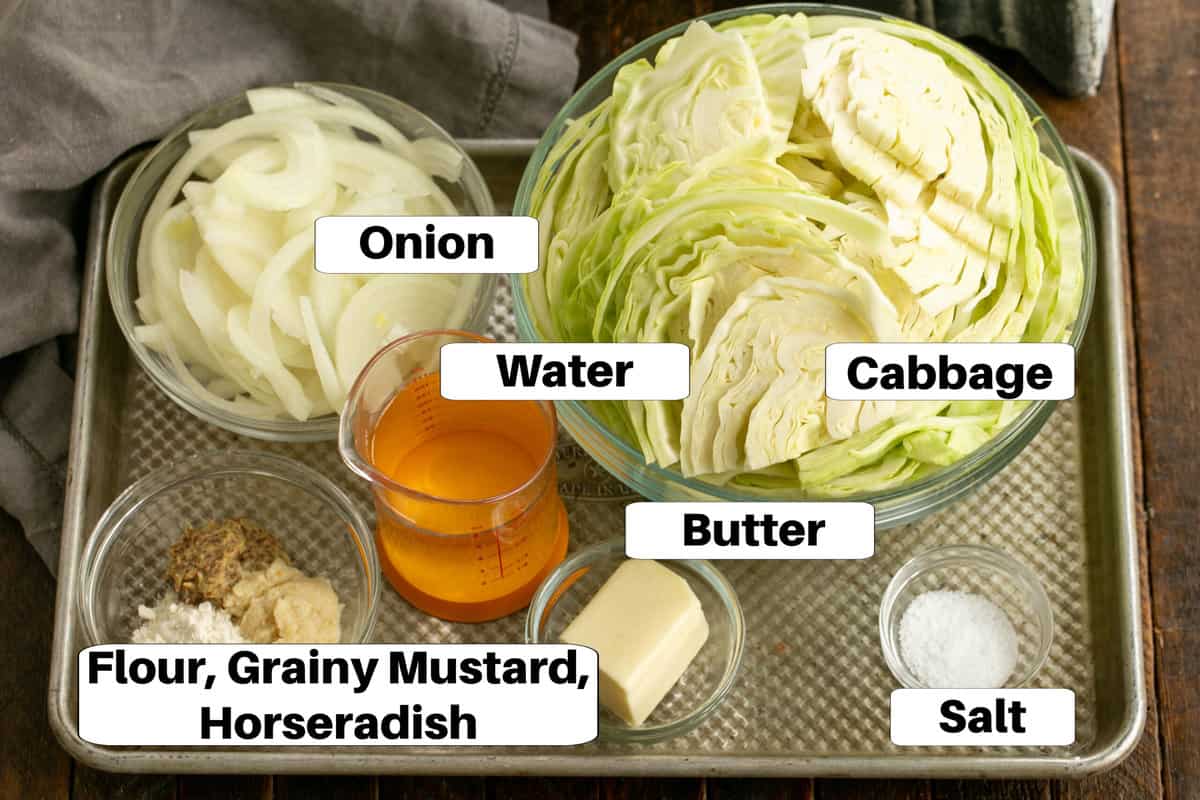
647	625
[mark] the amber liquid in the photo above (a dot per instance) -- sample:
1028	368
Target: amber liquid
482	523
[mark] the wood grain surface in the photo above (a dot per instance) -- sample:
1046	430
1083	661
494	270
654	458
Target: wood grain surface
1142	125
1159	57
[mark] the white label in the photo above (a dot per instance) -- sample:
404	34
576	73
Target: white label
983	717
975	371
280	694
765	531
402	245
565	371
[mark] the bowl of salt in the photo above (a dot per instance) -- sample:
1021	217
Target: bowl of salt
965	617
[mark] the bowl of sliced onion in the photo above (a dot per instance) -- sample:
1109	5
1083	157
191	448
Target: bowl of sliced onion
210	255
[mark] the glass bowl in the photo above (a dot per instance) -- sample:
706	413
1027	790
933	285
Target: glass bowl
470	195
124	563
705	682
892	507
981	570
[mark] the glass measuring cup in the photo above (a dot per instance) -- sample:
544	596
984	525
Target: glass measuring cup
468	516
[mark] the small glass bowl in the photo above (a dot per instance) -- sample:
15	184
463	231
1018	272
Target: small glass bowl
705	682
470	195
124	563
980	570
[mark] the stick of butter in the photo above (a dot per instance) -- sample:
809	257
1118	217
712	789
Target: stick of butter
647	625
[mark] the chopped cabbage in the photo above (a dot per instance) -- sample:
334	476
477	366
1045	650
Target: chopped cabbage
778	183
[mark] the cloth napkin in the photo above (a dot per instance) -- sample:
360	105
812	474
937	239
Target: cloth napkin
83	81
1065	39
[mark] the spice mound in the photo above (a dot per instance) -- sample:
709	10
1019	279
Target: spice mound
209	560
234	582
958	640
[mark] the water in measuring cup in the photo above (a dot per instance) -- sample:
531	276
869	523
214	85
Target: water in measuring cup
480	523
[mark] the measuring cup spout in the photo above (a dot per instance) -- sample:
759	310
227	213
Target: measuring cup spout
347	449
398	364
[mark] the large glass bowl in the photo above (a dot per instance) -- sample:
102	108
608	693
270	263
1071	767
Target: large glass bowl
470	195
892	507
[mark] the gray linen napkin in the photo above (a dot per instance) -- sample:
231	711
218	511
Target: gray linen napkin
83	81
1065	39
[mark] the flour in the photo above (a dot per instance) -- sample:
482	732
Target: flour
173	622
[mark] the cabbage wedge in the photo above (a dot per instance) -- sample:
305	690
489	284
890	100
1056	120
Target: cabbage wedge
775	184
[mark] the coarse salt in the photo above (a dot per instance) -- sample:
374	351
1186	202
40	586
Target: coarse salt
173	622
958	640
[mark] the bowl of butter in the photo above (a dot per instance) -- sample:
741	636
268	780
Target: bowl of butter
669	635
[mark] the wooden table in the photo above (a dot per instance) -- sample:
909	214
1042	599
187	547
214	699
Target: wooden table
1143	126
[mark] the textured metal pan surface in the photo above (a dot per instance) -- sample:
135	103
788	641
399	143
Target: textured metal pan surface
813	695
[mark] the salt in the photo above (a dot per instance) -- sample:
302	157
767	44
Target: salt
958	640
173	622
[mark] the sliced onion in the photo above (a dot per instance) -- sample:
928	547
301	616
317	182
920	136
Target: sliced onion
386	307
329	294
306	175
273	298
331	385
278	98
262	357
439	157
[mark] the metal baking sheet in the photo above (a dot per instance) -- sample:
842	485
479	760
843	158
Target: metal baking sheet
813	695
